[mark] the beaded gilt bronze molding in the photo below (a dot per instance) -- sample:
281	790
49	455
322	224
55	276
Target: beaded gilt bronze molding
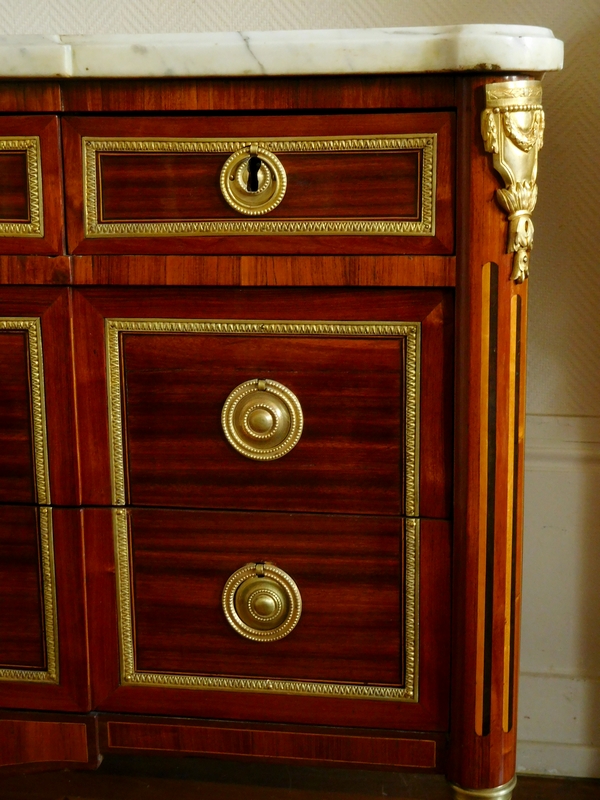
512	126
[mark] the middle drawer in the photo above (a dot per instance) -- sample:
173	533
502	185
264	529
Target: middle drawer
289	400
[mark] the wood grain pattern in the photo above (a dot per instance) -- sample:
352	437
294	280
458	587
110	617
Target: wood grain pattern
348	570
71	693
22	641
263	270
26	741
271	743
31	270
329	184
14	197
46	127
430	713
260	94
52	305
32	97
433	308
33	742
101	604
486	556
166	187
348	460
17	478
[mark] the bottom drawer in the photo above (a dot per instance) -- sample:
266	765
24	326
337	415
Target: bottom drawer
347	596
27	594
43	648
347	613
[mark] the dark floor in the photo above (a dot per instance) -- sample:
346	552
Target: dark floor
192	779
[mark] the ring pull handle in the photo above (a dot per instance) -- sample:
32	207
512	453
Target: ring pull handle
262	602
262	419
253	180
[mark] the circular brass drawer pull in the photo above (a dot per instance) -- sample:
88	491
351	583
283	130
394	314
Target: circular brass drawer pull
262	419
262	602
253	180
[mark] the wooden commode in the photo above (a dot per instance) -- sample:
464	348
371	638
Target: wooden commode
262	362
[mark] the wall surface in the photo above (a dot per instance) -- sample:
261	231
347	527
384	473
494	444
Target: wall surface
560	684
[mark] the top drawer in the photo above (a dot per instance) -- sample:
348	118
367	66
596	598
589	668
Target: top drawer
30	186
372	183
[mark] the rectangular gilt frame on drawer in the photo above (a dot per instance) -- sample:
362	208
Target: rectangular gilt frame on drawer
49	612
424	144
411	331
408	693
34	228
32	327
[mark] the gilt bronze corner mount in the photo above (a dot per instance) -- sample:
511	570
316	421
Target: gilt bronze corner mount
512	126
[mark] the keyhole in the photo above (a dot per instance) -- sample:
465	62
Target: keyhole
254	165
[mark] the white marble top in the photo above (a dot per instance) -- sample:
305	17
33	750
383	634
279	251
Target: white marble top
489	48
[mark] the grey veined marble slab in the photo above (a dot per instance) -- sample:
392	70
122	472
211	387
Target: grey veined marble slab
490	48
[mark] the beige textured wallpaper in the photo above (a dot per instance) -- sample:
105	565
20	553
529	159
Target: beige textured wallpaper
564	355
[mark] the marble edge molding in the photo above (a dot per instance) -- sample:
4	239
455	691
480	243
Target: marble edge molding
454	48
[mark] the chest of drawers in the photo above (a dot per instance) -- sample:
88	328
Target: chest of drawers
262	345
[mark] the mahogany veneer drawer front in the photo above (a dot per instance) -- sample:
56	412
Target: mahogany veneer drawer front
349	572
25	630
371	371
31	207
371	645
353	183
38	449
43	651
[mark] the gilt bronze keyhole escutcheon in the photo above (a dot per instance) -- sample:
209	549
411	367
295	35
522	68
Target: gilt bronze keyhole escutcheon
253	180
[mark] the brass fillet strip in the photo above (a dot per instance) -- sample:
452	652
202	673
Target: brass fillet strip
129	675
411	331
50	674
35	227
483	491
426	144
510	500
38	403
